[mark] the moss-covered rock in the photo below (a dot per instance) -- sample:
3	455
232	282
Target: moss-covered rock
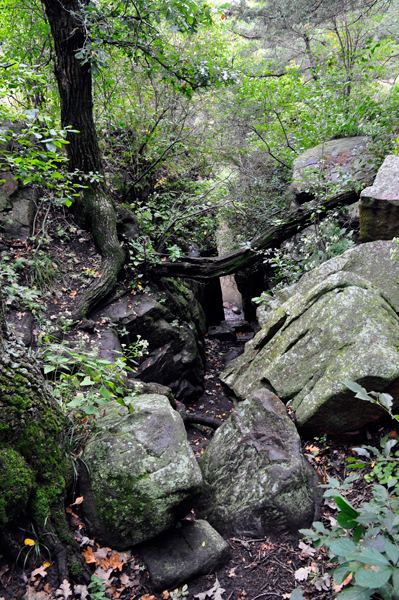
256	480
143	473
342	328
192	549
372	261
173	322
16	484
31	439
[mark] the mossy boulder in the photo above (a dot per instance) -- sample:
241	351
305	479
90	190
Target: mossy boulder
32	457
342	328
172	321
143	473
256	480
192	549
339	164
372	261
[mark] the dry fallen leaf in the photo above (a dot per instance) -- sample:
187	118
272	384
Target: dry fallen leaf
312	448
147	597
115	561
64	590
100	554
78	501
338	588
41	572
165	595
89	556
303	573
103	574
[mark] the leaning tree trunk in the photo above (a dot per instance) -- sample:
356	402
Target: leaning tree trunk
33	466
203	268
95	209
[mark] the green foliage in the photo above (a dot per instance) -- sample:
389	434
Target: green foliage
102	381
13	291
295	258
34	543
97	589
365	542
179	593
384	464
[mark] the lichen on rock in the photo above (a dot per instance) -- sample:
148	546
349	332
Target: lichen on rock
143	474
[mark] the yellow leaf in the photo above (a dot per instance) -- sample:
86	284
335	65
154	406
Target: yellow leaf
29	542
203	543
46	565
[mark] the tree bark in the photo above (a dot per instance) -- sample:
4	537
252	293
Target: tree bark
95	209
34	469
203	268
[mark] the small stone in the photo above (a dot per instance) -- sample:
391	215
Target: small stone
187	551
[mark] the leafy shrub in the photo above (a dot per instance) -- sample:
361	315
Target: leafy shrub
364	543
83	382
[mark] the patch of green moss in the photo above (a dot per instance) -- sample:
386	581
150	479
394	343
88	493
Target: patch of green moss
74	570
16	483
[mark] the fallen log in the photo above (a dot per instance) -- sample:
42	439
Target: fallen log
218	266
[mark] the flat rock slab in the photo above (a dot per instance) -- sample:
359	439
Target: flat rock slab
191	550
256	480
343	162
342	328
143	473
379	204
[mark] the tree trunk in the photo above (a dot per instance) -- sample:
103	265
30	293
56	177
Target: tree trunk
34	469
207	267
95	209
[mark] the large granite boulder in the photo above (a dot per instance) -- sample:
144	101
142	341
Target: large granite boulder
337	164
192	549
256	480
379	204
372	261
143	473
173	322
342	328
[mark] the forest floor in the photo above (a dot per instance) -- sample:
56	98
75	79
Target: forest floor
261	568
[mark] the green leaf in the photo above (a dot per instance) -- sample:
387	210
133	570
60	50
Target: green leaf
369	556
356	593
87	381
341	572
392	552
395	580
373	576
343	547
297	594
105	393
48	369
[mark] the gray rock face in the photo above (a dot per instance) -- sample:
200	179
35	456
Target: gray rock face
255	478
17	213
173	323
143	473
342	162
191	550
342	328
379	204
371	261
